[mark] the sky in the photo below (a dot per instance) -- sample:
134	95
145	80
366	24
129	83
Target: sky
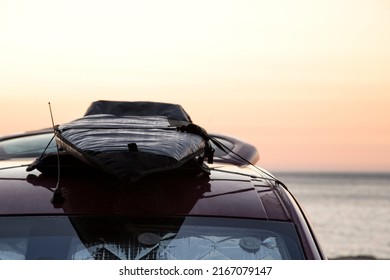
307	82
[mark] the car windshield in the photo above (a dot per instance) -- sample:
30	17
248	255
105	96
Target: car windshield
124	238
26	146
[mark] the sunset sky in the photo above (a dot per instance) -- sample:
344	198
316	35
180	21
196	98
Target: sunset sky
307	82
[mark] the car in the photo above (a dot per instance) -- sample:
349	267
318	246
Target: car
235	211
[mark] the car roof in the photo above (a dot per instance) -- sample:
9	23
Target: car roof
26	133
229	191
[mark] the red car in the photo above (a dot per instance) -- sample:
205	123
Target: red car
237	211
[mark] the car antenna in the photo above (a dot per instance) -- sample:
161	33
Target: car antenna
57	195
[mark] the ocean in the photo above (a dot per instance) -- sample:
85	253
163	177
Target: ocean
350	212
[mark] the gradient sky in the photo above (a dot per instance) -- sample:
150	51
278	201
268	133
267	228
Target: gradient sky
307	82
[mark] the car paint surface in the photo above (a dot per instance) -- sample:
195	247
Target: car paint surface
220	194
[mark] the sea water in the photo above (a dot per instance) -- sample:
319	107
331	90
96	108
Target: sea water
350	212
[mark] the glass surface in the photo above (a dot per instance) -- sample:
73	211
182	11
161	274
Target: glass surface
226	144
27	146
124	238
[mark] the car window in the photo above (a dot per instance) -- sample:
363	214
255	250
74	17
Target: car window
123	238
26	146
226	144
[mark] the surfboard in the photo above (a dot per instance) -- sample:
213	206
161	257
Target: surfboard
132	139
